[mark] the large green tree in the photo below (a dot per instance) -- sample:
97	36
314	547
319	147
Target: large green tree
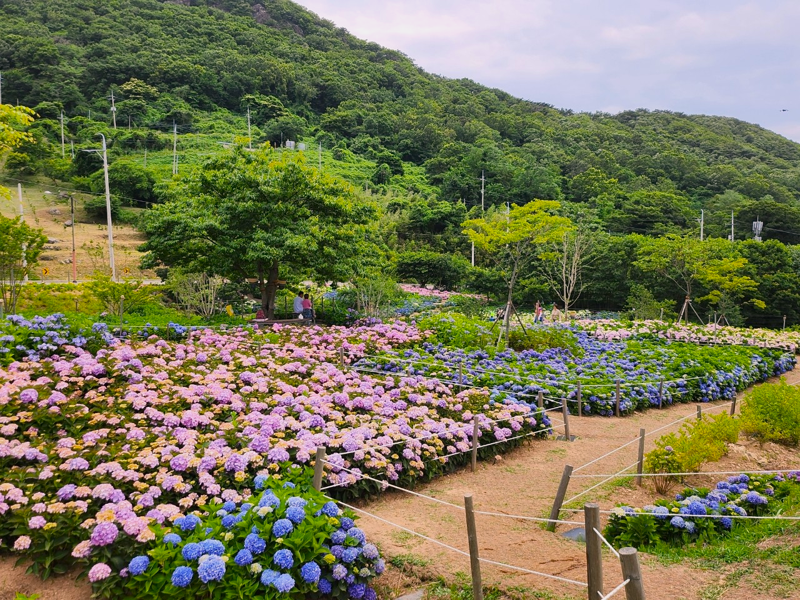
513	239
257	215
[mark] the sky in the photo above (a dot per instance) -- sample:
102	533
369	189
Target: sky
732	58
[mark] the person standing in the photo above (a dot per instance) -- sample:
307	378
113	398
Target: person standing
297	307
308	311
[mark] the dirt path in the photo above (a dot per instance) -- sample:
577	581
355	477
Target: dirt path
523	482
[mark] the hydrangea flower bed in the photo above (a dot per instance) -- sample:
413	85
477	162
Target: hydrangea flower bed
681	521
691	373
99	449
613	330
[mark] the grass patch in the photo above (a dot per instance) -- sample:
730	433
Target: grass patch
460	588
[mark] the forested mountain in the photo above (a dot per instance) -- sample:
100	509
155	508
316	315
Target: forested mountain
418	141
303	77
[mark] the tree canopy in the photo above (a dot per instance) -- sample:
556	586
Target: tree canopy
258	215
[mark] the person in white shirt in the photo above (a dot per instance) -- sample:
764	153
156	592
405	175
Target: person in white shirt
297	307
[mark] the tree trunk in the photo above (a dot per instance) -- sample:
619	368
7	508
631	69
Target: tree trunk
262	286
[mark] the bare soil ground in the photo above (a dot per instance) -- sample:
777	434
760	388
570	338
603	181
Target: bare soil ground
47	212
524	483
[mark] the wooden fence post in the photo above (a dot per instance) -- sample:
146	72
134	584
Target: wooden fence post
618	399
460	376
660	393
475	433
580	400
540	399
565	413
640	464
594	550
319	466
733	406
629	559
699	412
562	491
474	558
341	358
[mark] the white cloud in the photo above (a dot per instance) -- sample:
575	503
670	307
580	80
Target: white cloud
731	57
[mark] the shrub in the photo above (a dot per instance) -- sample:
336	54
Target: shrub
771	413
128	296
442	270
95	207
544	338
455	329
697	442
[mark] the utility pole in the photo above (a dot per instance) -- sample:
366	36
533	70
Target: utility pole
72	149
145	157
249	136
74	261
732	238
483	208
319	156
62	133
113	110
1	87
174	148
108	211
702	222
24	245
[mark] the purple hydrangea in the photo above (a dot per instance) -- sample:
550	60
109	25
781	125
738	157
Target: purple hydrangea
104	534
350	555
357	590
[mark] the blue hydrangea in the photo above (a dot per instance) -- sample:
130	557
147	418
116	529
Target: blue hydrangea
259	482
243	558
310	572
138	565
690	527
337	551
370	594
662	512
268	576
255	529
282	527
283	558
212	547
370	551
330	509
191	551
289	485
245	507
229	521
212	569
339	572
678	522
254	543
182	577
380	566
172	539
295	514
269	499
727	522
350	554
284	583
697	508
338	537
357	535
187	523
347	523
229	507
296	501
221	512
357	590
756	498
325	587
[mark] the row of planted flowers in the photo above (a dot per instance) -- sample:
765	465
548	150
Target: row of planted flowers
102	451
615	330
690	373
700	514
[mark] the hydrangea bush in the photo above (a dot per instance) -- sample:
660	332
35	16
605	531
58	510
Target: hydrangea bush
691	373
286	540
680	521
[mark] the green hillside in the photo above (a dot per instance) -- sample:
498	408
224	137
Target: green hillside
201	64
